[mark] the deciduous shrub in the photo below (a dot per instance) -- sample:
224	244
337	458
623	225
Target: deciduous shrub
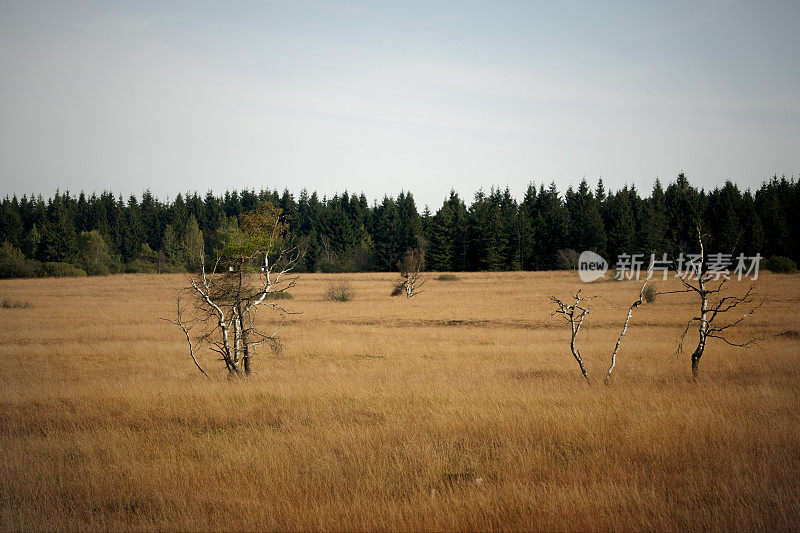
15	267
140	266
62	270
279	296
14	304
339	292
780	264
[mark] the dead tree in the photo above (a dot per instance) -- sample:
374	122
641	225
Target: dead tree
710	288
574	315
633	306
411	278
226	297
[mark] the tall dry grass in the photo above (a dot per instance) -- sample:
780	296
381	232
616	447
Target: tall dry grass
459	409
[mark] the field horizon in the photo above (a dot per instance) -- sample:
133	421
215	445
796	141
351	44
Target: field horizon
458	409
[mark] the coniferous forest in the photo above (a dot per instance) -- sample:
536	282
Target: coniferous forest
101	234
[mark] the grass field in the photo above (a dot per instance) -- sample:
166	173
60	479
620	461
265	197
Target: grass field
460	409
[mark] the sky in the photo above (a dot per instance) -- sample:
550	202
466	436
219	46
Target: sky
383	97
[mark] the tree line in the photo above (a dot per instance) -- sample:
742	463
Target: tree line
99	234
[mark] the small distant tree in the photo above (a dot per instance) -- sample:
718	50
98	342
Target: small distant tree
192	244
226	296
411	277
567	259
170	246
93	256
31	242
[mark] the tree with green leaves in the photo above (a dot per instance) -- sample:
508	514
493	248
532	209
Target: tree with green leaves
93	256
192	244
253	265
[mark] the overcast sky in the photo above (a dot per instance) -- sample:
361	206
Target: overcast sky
383	97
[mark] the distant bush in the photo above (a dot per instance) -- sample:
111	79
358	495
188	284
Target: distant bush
15	267
340	292
279	296
140	266
62	270
331	267
781	265
170	268
447	277
13	304
13	263
650	294
567	259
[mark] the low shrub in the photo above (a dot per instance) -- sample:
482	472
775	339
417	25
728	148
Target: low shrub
62	270
447	277
97	269
780	265
339	292
13	304
141	266
170	268
16	267
279	296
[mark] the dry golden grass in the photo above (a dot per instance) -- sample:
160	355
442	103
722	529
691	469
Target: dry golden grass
383	413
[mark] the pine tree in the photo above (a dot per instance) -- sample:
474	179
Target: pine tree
386	219
59	241
10	224
654	222
586	229
527	214
458	232
684	210
312	252
622	233
31	243
551	227
440	245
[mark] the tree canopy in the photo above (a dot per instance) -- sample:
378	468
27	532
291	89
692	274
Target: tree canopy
104	233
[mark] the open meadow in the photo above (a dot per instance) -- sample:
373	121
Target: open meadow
459	409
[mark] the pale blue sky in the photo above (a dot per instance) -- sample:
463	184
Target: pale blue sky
383	96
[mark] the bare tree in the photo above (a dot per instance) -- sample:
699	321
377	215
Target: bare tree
567	259
574	314
633	306
227	296
411	277
710	288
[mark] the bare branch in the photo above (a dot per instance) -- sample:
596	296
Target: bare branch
178	322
